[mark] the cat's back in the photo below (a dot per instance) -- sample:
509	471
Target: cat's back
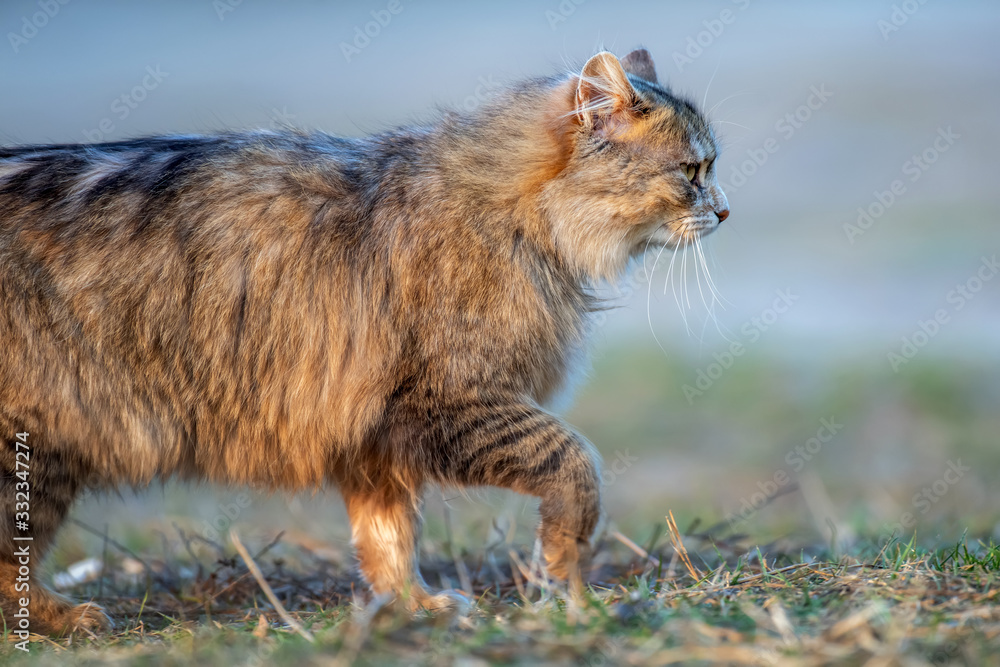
169	291
125	217
136	185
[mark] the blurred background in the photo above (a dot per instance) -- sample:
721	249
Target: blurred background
846	385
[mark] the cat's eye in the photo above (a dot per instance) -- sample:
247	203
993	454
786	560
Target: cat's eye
691	171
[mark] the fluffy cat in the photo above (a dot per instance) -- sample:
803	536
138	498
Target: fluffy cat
290	310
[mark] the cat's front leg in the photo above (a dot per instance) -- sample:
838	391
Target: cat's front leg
518	446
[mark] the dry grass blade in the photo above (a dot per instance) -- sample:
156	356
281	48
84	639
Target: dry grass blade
463	572
679	548
259	576
634	547
527	571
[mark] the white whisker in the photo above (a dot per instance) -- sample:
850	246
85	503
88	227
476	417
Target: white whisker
649	291
716	296
715	263
718	104
729	122
684	287
709	86
716	292
720	299
696	260
684	275
648	273
679	285
674	286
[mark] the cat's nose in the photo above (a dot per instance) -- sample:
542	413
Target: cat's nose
723	214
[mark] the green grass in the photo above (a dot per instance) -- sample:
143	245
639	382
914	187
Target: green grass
899	601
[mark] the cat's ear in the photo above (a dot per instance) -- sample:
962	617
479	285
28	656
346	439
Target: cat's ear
604	97
640	63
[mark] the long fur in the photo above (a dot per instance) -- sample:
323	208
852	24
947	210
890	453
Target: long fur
291	310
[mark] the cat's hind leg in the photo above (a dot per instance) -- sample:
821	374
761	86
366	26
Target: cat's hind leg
385	531
37	487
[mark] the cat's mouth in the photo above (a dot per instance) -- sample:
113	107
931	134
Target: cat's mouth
680	233
701	226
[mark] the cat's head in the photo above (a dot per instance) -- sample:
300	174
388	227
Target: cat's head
640	169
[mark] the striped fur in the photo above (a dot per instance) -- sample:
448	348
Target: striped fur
290	310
